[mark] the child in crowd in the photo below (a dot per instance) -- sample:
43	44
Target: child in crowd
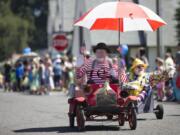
160	85
1	80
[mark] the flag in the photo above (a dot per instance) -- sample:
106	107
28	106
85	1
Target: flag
122	76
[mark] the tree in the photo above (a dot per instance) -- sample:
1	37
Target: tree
177	17
23	23
35	11
13	31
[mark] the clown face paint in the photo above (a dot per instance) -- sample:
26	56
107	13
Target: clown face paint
139	70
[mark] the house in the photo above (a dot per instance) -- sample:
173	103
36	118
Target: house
69	10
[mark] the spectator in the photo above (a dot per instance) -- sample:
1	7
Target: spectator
57	58
87	55
49	75
7	71
42	77
176	80
132	58
57	72
13	79
1	80
71	71
142	56
169	65
170	68
34	85
65	80
161	85
25	79
19	75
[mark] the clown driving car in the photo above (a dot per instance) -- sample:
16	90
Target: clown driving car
98	94
140	85
139	79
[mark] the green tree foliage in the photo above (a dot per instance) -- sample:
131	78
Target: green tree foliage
22	23
177	17
13	31
35	11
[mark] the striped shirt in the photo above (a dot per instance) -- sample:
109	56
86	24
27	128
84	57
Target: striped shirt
96	71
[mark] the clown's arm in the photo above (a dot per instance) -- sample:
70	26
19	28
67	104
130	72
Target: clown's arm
142	96
146	88
81	68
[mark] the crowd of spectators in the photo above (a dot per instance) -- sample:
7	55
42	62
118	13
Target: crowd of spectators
38	75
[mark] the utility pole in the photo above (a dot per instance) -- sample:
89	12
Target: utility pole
158	32
81	36
160	47
61	13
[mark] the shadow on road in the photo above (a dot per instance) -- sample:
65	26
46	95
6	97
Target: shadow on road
146	119
66	129
91	128
141	119
174	115
39	129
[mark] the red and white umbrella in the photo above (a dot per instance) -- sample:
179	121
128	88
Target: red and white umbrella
120	16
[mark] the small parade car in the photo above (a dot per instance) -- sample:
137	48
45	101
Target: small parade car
145	106
115	102
102	100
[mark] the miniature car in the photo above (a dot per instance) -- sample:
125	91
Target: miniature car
99	101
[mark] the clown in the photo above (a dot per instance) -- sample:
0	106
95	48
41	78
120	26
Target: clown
139	79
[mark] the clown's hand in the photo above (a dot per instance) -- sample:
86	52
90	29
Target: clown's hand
80	61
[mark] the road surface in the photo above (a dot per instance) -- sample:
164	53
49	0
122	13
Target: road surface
23	114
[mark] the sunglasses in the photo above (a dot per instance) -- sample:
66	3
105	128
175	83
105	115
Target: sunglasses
140	67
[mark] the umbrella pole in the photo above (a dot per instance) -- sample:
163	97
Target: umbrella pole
119	39
119	32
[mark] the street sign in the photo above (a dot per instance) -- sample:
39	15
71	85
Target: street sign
60	42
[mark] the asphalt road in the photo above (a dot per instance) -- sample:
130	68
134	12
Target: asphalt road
22	114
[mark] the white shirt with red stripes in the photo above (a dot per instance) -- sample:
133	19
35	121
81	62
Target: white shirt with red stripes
100	72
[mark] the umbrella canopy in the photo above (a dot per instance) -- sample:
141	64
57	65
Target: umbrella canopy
29	55
120	16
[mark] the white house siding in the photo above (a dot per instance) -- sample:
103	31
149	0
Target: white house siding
69	12
168	32
167	13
